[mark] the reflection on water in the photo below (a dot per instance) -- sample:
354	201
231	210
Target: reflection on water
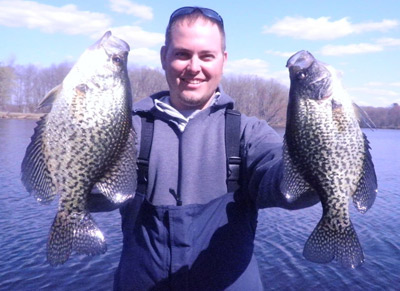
24	226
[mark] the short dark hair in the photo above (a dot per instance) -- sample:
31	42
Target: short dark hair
195	14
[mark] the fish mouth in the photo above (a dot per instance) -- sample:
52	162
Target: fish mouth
300	61
103	39
327	96
110	42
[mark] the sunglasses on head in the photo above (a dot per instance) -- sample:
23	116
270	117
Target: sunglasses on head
189	10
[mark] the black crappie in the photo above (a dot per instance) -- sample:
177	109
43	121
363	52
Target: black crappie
86	140
325	151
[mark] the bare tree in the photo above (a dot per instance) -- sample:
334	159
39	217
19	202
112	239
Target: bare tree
22	88
146	81
48	78
6	82
384	117
255	96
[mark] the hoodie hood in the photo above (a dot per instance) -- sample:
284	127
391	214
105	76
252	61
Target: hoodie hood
147	104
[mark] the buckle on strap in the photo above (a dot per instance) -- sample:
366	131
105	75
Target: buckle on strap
234	168
143	170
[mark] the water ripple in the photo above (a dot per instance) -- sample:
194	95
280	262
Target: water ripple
281	234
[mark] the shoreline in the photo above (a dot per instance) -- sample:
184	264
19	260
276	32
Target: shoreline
20	115
37	116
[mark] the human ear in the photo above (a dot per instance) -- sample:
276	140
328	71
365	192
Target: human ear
163	55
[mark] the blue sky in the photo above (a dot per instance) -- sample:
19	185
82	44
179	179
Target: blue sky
361	39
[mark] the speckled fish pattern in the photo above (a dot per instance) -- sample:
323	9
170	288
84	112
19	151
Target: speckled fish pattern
85	140
325	151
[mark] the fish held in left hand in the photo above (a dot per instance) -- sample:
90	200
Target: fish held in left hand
325	151
85	141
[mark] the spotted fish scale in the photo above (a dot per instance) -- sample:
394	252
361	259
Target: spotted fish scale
326	152
86	140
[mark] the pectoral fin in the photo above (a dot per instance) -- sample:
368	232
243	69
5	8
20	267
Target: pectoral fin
293	184
119	183
367	189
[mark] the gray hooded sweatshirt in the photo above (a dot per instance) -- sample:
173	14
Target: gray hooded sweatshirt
191	162
207	242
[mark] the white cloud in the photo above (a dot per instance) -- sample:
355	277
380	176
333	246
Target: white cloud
323	28
145	57
377	94
248	67
384	25
69	19
309	28
360	48
351	49
375	91
132	8
282	77
385	102
50	19
280	54
382	84
136	37
375	84
256	67
389	41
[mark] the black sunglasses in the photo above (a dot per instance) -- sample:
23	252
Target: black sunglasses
189	10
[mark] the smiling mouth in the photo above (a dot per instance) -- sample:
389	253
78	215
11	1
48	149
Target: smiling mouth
192	81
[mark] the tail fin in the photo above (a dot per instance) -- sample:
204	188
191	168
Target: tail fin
327	243
73	232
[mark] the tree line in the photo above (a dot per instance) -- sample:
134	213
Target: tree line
23	86
384	117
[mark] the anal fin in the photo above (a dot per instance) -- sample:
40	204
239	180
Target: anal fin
73	232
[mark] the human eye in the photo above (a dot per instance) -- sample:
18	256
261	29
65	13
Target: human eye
182	55
207	57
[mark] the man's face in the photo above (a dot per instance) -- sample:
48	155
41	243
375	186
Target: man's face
193	63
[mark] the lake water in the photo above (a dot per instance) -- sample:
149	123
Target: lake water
24	226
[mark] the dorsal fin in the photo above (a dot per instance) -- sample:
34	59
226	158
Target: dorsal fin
50	97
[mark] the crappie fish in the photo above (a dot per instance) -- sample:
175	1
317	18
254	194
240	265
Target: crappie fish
85	140
326	152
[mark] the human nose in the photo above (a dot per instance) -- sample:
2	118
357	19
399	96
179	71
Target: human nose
194	65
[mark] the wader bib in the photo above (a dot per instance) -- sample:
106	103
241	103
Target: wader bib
190	247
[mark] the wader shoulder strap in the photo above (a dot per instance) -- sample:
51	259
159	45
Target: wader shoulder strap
232	145
146	140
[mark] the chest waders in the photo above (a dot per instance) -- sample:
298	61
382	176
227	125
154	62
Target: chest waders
232	146
195	246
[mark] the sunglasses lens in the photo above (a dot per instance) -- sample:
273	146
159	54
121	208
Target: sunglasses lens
189	10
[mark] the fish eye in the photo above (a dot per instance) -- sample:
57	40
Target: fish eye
117	60
301	75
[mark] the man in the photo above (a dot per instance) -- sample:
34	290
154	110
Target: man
184	230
